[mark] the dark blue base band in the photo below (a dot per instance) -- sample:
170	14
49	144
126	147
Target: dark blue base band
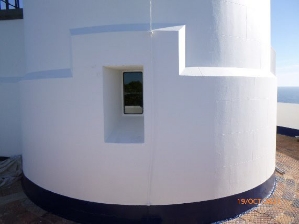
287	131
2	158
189	213
11	14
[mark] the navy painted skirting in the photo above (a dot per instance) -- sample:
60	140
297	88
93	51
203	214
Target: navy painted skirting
2	158
189	213
287	131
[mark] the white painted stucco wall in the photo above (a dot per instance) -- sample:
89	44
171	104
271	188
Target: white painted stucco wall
219	33
288	115
209	117
12	67
12	54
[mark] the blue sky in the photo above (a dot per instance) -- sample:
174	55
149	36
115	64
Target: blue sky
285	40
11	2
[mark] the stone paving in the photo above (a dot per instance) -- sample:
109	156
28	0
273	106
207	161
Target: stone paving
283	208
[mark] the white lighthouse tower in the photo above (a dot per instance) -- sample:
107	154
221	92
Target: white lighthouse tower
158	111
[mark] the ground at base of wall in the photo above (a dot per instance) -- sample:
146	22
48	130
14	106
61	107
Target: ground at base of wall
282	207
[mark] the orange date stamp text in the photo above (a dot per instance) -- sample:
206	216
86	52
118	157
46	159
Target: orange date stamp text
256	201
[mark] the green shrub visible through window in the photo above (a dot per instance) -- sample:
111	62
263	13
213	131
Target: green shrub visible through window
133	92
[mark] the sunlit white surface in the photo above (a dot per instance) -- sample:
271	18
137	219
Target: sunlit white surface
209	123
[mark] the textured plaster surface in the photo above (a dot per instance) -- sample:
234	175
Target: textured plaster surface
15	207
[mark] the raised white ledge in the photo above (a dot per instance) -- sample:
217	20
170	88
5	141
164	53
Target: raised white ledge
225	71
170	28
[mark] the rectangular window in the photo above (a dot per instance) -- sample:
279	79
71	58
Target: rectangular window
133	92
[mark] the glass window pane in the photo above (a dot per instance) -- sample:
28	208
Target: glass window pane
133	92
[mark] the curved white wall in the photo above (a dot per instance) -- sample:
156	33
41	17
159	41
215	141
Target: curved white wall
209	131
219	33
